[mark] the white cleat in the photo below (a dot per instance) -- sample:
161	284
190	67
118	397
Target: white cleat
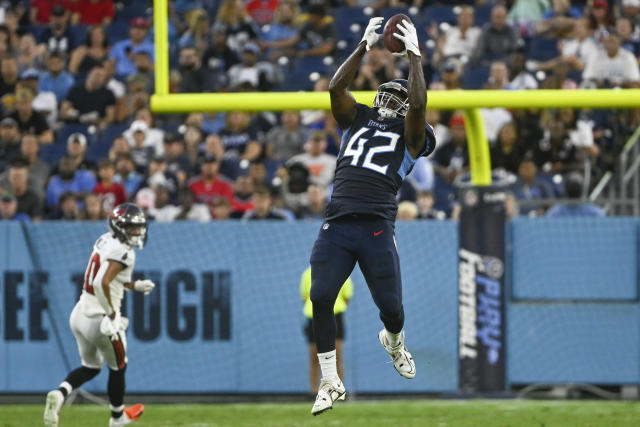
402	359
328	392
54	402
129	415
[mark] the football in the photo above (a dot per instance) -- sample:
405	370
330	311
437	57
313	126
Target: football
393	44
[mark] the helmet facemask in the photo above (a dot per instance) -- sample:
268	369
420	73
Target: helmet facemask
129	225
391	100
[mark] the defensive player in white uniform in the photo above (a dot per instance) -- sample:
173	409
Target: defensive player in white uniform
95	321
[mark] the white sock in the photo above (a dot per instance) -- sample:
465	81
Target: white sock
328	365
65	385
393	339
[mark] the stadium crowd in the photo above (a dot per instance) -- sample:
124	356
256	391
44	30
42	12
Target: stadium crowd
77	136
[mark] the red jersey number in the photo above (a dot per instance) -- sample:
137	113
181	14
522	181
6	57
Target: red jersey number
90	273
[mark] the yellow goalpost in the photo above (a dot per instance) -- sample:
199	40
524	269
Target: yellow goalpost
469	101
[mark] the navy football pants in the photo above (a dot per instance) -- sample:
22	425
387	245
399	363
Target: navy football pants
371	242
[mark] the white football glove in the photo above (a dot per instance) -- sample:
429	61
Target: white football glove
144	286
370	36
111	327
409	37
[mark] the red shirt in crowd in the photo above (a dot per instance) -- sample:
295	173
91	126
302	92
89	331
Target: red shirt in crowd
262	11
207	192
93	12
43	8
112	195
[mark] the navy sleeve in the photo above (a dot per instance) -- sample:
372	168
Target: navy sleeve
430	141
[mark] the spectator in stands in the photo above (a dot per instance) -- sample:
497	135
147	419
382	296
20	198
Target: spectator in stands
38	168
45	102
628	41
555	153
317	201
9	208
377	67
94	51
285	22
317	37
77	150
67	208
452	158
407	211
194	78
112	193
178	162
286	140
189	210
239	137
321	165
508	151
238	26
56	79
158	175
612	66
68	179
601	20
197	33
260	75
221	209
210	186
93	12
58	36
119	146
526	14
9	141
425	201
162	210
229	165
574	51
519	77
8	75
498	40
630	9
29	56
153	137
122	50
28	119
92	208
458	41
243	189
574	185
498	76
422	176
146	199
530	186
142	153
560	20
450	75
144	77
263	207
29	202
127	175
258	174
90	102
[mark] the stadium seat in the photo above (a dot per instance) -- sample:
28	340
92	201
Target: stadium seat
345	17
101	146
388	12
440	13
482	14
475	78
543	48
299	77
118	30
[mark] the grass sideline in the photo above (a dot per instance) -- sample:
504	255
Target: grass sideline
356	413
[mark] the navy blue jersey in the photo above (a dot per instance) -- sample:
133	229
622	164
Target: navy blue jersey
372	163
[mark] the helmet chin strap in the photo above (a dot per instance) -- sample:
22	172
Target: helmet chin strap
387	113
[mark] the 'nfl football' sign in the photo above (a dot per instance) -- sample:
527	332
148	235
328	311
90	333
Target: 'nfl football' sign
481	326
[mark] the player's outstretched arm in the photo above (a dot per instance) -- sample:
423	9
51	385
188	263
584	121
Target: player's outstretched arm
414	129
343	104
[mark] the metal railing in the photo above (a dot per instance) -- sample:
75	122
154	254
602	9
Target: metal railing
619	191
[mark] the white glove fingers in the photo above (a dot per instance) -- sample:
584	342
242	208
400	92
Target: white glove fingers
400	37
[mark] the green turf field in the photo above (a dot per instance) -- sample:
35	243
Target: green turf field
370	414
